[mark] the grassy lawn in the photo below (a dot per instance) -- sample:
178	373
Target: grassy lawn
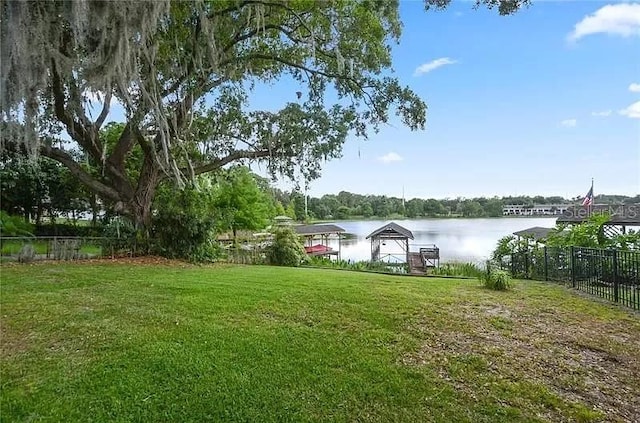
114	341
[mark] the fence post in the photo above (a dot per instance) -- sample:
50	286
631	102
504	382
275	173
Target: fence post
546	264
513	266
573	267
616	293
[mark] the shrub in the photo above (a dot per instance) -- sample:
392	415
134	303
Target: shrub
362	266
14	225
286	248
458	269
496	279
120	236
183	225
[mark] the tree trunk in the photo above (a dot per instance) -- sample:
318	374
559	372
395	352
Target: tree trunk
94	209
52	218
39	214
140	206
139	210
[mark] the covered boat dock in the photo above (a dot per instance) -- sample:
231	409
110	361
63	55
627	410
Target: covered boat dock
322	233
398	237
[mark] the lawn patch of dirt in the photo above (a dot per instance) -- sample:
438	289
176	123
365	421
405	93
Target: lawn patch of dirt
580	358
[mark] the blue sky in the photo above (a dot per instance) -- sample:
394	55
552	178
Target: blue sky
535	104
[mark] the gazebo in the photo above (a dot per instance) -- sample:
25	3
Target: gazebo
394	234
537	233
323	232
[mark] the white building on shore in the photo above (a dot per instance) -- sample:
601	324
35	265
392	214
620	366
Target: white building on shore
534	210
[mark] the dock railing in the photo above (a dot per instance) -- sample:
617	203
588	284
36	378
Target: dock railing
430	255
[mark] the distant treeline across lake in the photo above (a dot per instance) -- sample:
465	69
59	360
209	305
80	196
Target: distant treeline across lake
346	205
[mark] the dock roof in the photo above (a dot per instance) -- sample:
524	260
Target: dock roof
322	229
391	230
537	233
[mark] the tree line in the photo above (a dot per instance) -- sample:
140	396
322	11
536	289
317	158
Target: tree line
43	190
347	205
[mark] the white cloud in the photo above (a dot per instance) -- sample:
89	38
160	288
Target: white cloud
633	111
569	123
634	87
603	113
434	64
390	157
615	19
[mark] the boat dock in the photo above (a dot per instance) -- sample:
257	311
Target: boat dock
396	236
421	261
416	267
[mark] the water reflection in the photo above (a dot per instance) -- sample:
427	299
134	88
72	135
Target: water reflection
458	239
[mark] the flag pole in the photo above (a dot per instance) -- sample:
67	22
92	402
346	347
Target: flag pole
593	194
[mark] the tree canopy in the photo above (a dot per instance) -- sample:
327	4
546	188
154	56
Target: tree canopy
240	203
182	71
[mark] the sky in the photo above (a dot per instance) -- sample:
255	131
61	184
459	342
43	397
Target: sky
537	103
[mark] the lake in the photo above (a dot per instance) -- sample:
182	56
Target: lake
468	240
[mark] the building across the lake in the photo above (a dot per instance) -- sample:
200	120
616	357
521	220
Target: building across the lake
535	210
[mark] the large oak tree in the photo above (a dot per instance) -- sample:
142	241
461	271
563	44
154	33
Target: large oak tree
183	71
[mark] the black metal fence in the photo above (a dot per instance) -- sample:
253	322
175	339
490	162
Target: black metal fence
610	274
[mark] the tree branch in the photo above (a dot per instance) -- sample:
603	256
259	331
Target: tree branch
229	9
279	5
183	108
76	170
123	147
289	63
75	129
86	138
105	111
236	155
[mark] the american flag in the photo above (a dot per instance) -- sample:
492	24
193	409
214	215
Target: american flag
588	199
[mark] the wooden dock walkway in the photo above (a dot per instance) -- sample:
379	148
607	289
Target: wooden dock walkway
416	267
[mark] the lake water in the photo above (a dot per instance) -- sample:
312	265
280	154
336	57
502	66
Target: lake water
468	240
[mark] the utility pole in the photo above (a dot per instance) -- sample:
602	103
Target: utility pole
306	213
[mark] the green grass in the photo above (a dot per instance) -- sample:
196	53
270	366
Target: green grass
160	342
